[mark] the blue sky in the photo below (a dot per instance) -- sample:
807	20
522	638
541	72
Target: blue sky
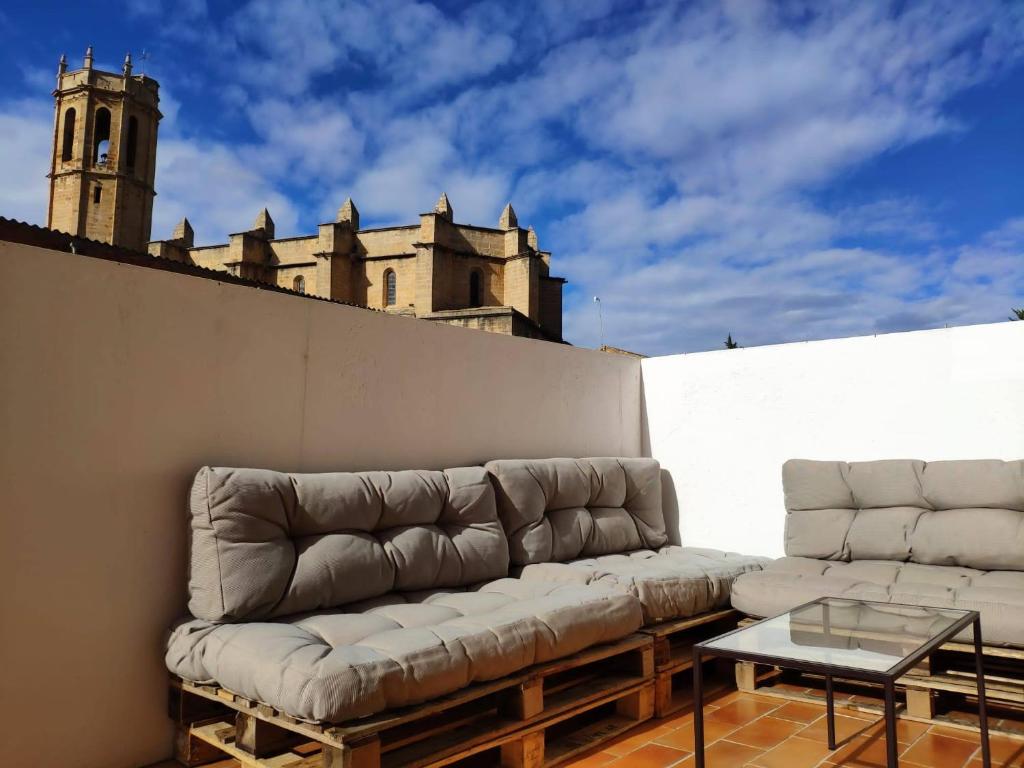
778	171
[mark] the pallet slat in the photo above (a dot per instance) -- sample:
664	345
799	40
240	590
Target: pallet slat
673	651
510	715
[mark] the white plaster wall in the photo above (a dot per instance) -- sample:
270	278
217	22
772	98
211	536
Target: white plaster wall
118	382
722	423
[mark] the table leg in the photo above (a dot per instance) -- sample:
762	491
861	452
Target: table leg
979	667
890	725
830	712
698	709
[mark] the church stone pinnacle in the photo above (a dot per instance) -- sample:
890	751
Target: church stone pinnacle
508	218
444	208
348	214
184	233
264	222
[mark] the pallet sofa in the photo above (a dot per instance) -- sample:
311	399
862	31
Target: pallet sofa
942	534
368	619
565	524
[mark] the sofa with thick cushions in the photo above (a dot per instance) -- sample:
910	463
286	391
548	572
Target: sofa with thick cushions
599	521
334	596
942	534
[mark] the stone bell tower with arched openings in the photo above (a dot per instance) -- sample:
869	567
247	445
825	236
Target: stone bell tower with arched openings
104	154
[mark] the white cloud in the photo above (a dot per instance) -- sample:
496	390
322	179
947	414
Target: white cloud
27	128
286	44
670	152
409	176
308	139
216	189
692	299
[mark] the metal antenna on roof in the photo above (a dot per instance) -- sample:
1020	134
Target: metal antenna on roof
600	318
143	58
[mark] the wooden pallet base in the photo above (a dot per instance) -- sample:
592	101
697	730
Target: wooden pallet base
603	691
673	653
920	704
548	742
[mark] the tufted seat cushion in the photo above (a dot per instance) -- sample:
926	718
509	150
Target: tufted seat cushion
941	533
399	648
786	583
674	582
600	521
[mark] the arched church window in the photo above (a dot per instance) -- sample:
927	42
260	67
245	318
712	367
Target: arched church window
475	291
133	140
299	283
390	288
69	135
101	136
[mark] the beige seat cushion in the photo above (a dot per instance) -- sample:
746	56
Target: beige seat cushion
672	583
399	649
997	595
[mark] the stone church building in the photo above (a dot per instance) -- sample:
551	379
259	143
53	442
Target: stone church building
102	184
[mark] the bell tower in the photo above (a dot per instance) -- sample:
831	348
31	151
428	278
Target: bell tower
104	154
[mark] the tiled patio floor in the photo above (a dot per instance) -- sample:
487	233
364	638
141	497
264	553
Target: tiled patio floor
766	732
754	731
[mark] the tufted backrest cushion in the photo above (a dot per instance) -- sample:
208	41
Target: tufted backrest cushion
266	544
968	513
560	509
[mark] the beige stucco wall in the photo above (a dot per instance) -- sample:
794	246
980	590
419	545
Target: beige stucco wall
119	381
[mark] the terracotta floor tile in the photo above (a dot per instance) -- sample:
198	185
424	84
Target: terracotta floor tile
799	712
593	760
726	754
680	719
742	711
956	733
907	731
682	737
727	698
793	753
862	752
636	738
766	732
845	728
650	756
850	712
1006	753
1015	726
940	751
742	729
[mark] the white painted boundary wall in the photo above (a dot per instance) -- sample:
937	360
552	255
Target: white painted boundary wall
722	423
118	382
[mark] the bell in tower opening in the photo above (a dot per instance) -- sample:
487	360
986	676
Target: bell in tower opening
103	167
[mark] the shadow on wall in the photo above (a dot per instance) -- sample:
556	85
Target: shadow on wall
669	500
670	507
645	430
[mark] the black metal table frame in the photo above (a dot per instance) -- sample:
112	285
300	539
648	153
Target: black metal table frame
887	679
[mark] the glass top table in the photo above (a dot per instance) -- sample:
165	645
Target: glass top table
852	639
